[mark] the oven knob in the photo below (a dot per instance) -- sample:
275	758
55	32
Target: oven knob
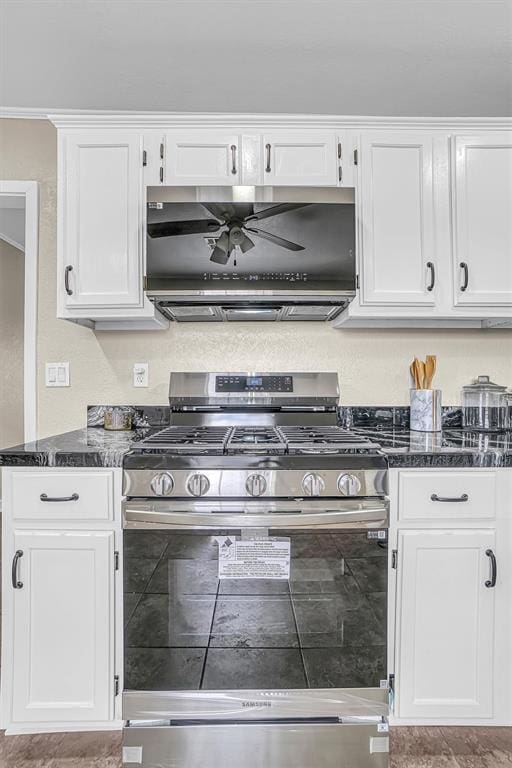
349	485
313	485
162	484
256	485
198	485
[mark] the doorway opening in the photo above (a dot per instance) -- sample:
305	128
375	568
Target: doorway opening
18	311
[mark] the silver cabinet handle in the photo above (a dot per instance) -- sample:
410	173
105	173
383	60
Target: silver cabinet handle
68	269
14	571
430	286
465	269
490	583
233	158
449	499
73	497
267	168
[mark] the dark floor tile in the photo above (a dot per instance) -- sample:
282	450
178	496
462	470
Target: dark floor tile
371	574
163	621
254	587
184	577
93	749
144	544
191	546
379	604
137	572
358	545
250	668
325	621
354	667
163	669
254	621
312	545
322	575
130	600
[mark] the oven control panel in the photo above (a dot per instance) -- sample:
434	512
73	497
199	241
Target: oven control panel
254	384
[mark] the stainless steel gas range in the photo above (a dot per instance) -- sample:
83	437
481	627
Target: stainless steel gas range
255	565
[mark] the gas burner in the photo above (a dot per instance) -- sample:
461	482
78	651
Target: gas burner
255	440
188	440
320	440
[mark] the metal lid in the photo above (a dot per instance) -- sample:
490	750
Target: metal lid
483	384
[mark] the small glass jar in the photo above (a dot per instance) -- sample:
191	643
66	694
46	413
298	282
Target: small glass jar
508	406
484	406
118	418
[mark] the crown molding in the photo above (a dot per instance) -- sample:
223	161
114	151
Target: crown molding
79	118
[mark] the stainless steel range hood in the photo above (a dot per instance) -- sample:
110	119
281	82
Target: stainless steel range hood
244	254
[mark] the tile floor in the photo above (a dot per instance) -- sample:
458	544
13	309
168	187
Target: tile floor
410	748
325	627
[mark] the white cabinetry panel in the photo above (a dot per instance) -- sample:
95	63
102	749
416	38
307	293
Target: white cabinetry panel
101	261
63	627
206	157
300	158
445	625
397	218
482	219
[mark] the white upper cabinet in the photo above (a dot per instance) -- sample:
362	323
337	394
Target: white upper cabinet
62	628
445	625
396	219
482	219
201	158
100	219
300	158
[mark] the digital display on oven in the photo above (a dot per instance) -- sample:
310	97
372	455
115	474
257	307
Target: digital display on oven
254	384
254	381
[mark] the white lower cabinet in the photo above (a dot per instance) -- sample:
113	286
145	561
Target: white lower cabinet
62	627
445	624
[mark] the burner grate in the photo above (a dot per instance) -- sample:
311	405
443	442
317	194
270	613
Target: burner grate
192	440
266	440
318	440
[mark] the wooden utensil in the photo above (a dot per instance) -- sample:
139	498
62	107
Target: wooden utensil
430	370
420	365
417	372
412	369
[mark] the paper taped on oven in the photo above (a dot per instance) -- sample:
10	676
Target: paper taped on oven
254	558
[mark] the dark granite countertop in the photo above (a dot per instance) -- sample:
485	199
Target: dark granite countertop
449	448
88	447
96	447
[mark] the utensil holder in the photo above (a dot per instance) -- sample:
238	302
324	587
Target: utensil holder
425	410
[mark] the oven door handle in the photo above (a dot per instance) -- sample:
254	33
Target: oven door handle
351	515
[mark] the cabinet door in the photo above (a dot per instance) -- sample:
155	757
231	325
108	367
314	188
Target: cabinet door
101	215
307	158
482	219
445	625
396	215
202	158
63	622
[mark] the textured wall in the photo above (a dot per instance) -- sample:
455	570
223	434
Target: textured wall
372	363
12	285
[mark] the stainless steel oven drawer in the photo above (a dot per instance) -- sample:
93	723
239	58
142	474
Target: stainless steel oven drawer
258	745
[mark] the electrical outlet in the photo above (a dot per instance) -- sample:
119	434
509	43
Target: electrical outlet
57	374
140	374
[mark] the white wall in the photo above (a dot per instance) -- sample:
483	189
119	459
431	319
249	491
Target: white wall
372	364
359	57
12	287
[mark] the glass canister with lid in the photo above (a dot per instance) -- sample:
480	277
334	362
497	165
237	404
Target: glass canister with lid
484	405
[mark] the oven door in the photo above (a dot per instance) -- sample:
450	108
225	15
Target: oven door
255	611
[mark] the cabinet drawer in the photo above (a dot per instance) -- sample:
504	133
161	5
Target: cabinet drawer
450	495
61	495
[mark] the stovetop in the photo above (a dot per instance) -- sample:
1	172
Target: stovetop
255	440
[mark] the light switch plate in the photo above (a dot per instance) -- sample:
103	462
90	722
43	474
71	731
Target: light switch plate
57	374
140	374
